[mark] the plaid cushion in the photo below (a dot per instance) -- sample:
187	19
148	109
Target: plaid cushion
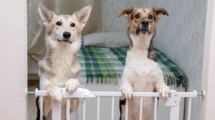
105	65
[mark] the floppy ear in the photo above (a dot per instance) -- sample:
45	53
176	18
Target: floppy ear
45	14
83	15
159	12
126	12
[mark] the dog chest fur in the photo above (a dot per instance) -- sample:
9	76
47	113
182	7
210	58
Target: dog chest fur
61	65
142	73
137	61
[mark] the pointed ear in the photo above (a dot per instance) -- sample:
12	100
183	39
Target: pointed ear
45	14
83	15
126	12
159	12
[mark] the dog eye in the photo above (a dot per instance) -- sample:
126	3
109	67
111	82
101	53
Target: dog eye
73	25
58	23
137	16
150	16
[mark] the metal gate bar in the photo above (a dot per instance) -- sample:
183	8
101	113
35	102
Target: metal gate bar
173	102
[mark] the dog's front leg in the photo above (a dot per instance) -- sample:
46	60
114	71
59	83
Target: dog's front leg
54	92
126	90
161	87
72	85
126	85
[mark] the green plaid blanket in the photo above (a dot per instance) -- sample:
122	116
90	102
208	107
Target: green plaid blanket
105	65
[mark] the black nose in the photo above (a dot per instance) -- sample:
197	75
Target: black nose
145	23
66	35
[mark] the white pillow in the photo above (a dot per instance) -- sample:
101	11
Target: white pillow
107	39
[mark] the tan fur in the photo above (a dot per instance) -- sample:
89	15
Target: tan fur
60	67
63	110
142	72
144	13
50	87
159	12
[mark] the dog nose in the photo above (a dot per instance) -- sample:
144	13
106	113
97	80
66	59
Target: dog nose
66	35
145	22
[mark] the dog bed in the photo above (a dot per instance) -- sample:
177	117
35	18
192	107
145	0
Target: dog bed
105	65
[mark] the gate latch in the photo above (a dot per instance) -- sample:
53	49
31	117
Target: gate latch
174	99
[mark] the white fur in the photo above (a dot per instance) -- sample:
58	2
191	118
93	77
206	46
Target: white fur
60	68
141	75
55	94
63	58
71	85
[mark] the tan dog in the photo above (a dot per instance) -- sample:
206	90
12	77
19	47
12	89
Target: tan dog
60	67
142	72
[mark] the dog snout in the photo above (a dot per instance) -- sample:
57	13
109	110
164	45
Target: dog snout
66	35
144	23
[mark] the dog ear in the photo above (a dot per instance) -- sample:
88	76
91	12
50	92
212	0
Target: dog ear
45	14
83	15
126	12
159	12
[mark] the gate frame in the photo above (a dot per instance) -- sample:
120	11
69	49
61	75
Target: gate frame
173	102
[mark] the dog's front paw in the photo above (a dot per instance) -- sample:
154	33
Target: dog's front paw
164	92
126	90
54	92
72	85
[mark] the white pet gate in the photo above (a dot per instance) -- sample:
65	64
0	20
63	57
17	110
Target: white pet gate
173	102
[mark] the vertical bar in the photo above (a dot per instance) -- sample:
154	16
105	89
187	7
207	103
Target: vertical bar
155	108
77	114
68	109
84	106
126	110
56	110
41	108
112	113
189	109
174	112
98	107
141	107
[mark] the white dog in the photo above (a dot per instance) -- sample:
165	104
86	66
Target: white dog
142	72
60	67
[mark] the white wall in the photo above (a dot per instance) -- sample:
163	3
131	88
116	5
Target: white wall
13	61
208	105
180	36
